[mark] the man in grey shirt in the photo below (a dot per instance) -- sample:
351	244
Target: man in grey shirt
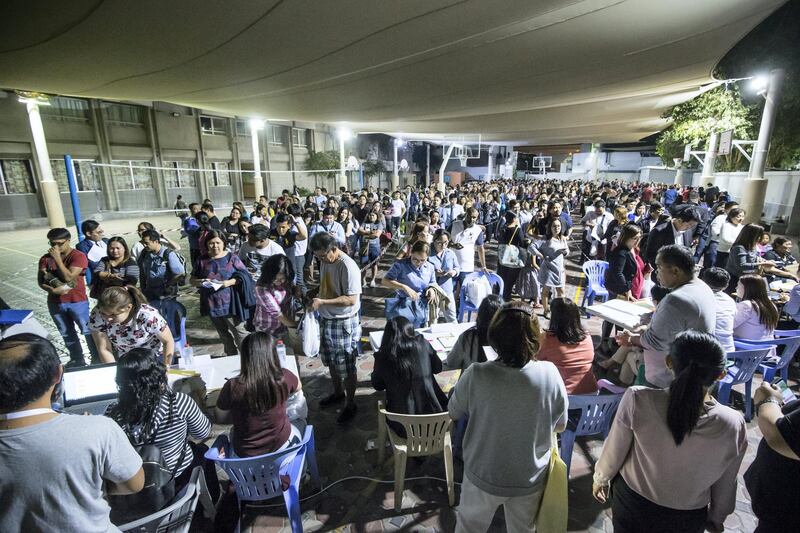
338	302
53	466
690	305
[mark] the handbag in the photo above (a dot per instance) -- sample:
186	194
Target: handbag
159	484
552	515
509	255
416	311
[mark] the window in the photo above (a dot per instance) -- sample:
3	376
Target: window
85	175
213	125
132	175
276	134
220	175
181	176
16	177
123	114
63	108
299	137
242	128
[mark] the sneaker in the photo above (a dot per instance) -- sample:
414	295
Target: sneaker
347	414
330	400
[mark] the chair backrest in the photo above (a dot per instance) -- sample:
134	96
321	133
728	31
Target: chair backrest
175	518
790	344
747	361
254	478
595	272
604	384
780	333
425	434
174	313
597	412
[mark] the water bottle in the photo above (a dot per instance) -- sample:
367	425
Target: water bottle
281	349
187	354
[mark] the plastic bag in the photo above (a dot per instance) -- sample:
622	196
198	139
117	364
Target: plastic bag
478	289
310	334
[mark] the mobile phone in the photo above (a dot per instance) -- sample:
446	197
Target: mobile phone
786	392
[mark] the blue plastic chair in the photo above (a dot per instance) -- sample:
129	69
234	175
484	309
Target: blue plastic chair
790	340
595	272
597	413
747	359
175	314
465	307
259	478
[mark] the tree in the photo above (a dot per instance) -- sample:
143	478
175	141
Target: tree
693	122
320	161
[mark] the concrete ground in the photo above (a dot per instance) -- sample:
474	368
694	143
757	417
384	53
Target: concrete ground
357	505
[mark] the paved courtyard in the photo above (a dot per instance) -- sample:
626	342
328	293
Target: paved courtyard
357	505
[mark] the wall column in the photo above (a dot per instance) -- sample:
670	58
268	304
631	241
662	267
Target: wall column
155	146
47	184
110	194
233	144
202	185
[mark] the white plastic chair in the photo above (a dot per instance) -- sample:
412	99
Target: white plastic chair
177	517
425	435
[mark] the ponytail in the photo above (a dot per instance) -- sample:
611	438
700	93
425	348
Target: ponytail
114	298
697	360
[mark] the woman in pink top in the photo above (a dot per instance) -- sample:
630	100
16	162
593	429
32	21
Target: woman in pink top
673	454
566	345
642	269
275	292
756	316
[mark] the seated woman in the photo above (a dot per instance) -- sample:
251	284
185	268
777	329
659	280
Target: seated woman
514	405
772	478
567	345
657	454
404	368
468	348
121	321
275	295
255	401
756	316
150	412
118	269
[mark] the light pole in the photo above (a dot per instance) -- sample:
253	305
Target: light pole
710	160
258	183
755	186
344	134
50	194
395	176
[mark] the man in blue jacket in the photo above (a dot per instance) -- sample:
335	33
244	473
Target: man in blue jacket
94	246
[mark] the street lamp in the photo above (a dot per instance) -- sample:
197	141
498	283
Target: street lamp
256	124
344	134
395	176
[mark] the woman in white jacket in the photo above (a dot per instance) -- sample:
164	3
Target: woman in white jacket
728	232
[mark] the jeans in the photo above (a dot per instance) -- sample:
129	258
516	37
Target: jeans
710	254
231	332
68	316
299	265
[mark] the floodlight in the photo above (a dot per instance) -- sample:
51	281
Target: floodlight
403	164
29	97
759	83
344	133
352	163
256	124
399	142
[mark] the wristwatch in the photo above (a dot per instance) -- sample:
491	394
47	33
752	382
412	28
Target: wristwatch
769	399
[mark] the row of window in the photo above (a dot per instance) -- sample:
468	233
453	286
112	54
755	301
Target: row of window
16	175
276	134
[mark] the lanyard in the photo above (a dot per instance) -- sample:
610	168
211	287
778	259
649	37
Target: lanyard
25	414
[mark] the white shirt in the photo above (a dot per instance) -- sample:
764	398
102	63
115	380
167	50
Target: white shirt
726	311
300	247
397	208
600	227
678	235
467	237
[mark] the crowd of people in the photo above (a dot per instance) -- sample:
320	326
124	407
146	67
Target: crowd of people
673	452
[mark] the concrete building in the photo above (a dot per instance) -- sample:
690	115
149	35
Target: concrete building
155	151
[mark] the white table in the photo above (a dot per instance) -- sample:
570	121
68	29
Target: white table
441	336
622	313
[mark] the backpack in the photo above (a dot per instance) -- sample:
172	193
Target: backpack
146	272
159	482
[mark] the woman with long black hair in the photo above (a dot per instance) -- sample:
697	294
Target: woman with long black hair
275	296
255	401
151	413
657	454
468	348
404	368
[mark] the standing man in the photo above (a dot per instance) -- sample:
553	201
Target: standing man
161	270
180	207
467	238
300	245
329	225
678	230
450	212
258	248
398	210
338	302
192	230
288	234
94	246
61	276
213	221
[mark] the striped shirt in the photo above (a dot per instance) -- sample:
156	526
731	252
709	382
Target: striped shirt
172	432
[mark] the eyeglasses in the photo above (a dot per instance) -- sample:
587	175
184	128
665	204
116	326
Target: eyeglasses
56	243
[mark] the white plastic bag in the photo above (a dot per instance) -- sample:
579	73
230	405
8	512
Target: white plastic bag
478	289
310	334
647	287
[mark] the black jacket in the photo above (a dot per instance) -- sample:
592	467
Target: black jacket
663	235
621	270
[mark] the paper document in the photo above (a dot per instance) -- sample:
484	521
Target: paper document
212	284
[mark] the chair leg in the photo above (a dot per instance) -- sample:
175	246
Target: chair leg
769	373
448	471
748	405
292	500
565	450
785	372
311	461
381	437
399	478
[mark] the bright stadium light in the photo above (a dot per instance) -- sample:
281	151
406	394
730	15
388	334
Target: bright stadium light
256	124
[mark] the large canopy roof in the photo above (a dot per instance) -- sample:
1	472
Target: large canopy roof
517	71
